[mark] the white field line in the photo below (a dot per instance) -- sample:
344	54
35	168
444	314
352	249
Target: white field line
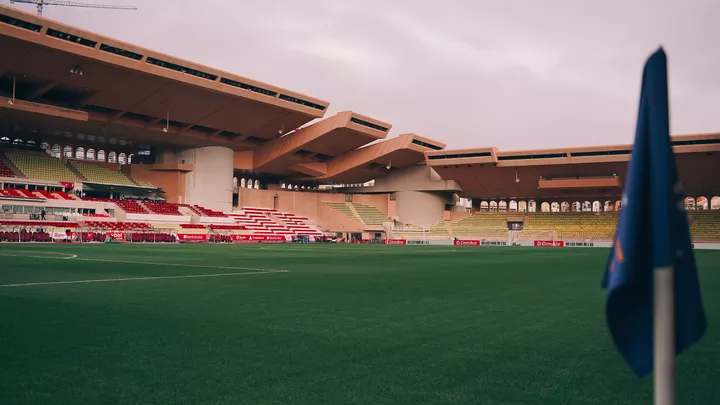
110	280
202	266
34	255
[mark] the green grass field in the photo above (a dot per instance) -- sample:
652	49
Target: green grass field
343	325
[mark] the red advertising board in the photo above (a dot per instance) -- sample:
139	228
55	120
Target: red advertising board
259	238
549	243
395	242
192	237
466	243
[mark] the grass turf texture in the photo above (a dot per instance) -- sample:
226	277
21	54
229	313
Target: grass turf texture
345	325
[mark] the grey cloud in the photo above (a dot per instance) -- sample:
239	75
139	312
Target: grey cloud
512	74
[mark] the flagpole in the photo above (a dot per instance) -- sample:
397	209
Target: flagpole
664	336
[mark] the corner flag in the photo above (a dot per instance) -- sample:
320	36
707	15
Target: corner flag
652	244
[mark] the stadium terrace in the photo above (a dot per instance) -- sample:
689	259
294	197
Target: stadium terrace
101	139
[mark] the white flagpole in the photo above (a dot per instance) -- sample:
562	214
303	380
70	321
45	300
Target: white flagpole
664	336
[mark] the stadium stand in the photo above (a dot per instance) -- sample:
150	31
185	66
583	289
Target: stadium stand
19	193
98	174
705	225
342	208
117	226
370	215
440	229
45	194
41	166
163	208
260	222
481	224
589	225
63	195
205	212
5	171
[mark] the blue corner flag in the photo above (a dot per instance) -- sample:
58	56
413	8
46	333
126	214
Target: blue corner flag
652	233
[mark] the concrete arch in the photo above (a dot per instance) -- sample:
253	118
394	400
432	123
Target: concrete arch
689	203
715	203
702	203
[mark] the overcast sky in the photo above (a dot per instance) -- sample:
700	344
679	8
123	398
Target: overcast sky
471	73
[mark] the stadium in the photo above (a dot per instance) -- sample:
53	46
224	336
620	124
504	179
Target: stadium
138	190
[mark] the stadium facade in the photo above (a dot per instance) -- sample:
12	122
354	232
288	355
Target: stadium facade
107	132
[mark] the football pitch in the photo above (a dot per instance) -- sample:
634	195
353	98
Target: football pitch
322	324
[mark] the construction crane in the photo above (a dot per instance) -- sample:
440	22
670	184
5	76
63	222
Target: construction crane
42	3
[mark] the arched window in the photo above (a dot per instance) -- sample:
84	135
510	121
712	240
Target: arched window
282	186
31	143
257	184
129	159
243	183
586	206
576	206
484	206
502	206
101	155
608	206
545	207
532	206
112	157
44	146
235	181
715	203
701	203
121	159
564	206
513	206
250	183
618	205
522	206
56	151
555	207
90	154
689	203
68	151
18	141
493	206
596	206
5	139
80	153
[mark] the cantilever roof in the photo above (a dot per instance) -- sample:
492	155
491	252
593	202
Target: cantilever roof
490	173
129	91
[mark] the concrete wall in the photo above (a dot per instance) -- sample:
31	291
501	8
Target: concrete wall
210	183
170	179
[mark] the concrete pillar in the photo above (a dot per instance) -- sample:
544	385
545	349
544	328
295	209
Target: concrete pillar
210	184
